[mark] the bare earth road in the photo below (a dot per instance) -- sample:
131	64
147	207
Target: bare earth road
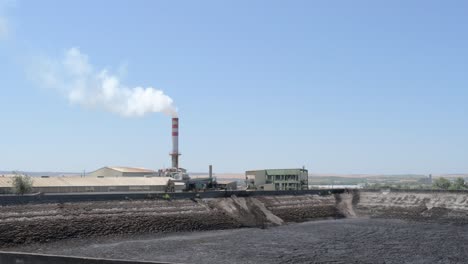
324	241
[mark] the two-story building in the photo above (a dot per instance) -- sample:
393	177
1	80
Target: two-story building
277	179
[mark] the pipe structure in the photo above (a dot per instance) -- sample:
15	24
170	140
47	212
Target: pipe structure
175	143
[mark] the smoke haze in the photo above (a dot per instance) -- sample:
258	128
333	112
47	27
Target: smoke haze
76	79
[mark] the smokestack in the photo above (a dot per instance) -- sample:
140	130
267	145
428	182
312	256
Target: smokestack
210	171
175	142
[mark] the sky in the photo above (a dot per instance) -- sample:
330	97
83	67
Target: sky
336	86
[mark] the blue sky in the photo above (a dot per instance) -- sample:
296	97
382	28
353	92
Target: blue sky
337	86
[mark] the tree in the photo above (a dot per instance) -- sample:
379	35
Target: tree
459	184
22	184
442	183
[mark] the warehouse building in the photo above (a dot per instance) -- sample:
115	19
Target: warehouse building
93	184
122	172
277	179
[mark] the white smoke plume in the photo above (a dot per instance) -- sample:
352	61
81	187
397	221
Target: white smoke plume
74	76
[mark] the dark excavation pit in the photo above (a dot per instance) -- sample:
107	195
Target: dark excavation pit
329	241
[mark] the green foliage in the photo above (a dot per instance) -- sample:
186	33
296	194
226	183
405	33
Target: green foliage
459	184
403	186
442	183
445	184
22	184
438	183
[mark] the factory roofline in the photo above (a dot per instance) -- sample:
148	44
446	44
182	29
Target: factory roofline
129	169
278	170
90	181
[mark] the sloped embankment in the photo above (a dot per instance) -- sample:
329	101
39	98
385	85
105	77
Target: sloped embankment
32	223
302	208
46	222
448	206
21	224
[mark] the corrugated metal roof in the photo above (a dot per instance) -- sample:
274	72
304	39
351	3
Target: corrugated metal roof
6	181
284	171
89	181
130	169
277	171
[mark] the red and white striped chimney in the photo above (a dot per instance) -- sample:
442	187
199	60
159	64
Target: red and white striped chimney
175	142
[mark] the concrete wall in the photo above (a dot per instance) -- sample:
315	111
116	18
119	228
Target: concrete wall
259	176
84	189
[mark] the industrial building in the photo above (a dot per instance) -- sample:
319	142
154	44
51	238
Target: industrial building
226	185
127	179
93	184
122	172
277	179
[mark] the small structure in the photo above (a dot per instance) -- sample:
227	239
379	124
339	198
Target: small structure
176	186
227	185
122	172
426	180
201	184
277	179
176	173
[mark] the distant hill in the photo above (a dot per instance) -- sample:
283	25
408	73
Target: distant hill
319	175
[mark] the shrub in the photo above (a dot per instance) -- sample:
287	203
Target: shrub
22	184
459	183
442	183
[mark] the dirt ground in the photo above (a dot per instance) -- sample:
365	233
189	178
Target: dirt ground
358	240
